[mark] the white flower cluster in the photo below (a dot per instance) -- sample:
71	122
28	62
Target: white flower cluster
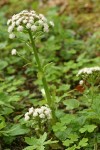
88	71
28	20
43	112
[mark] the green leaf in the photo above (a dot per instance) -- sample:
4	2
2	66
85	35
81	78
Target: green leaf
72	148
67	119
67	142
43	138
39	143
3	64
50	142
2	122
64	87
31	140
29	148
71	104
47	65
59	127
73	137
17	129
89	128
4	100
40	75
83	142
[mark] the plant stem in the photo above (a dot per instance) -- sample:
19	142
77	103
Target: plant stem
48	96
95	143
95	146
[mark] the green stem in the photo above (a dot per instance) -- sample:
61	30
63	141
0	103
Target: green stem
48	96
95	143
95	146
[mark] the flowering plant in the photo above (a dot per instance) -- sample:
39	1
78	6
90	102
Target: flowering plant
90	75
32	23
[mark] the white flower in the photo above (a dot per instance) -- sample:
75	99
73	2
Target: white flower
81	82
52	23
42	17
33	28
20	28
9	21
31	21
40	22
47	112
10	29
88	71
46	28
43	92
49	116
28	25
13	24
43	108
31	110
42	116
37	110
27	118
31	18
18	22
35	114
25	21
20	19
11	35
40	111
24	11
96	68
17	16
13	52
26	114
33	11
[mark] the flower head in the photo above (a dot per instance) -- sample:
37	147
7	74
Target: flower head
89	75
88	71
28	20
44	112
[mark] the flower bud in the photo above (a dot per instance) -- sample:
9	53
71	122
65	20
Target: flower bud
11	35
13	52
